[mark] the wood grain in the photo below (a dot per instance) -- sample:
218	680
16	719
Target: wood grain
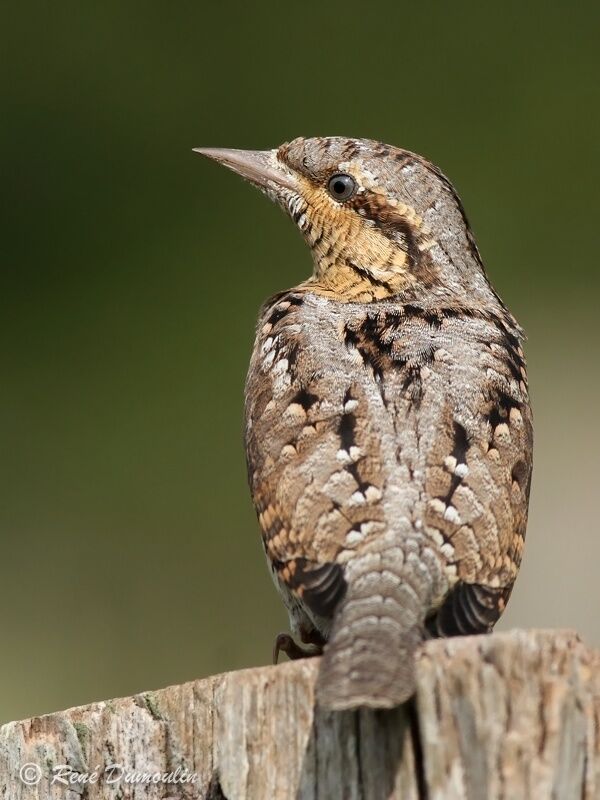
510	715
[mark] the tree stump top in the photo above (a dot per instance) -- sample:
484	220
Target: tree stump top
509	715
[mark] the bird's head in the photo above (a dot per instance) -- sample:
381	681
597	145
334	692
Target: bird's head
380	221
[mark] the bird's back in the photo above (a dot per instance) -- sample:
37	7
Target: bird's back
389	460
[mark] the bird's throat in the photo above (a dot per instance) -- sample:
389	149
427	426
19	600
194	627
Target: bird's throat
358	258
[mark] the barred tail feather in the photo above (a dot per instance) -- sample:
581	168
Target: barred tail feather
369	659
376	678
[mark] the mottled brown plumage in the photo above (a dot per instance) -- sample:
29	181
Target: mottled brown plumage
388	427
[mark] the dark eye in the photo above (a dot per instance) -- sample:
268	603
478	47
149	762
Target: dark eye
341	187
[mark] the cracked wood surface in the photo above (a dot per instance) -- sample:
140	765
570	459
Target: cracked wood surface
510	715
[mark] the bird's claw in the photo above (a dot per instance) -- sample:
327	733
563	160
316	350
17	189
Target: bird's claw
284	643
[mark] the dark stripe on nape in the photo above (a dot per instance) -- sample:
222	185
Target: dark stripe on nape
407	232
412	385
392	224
350	338
374	338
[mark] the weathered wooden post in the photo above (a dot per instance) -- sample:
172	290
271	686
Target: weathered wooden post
510	715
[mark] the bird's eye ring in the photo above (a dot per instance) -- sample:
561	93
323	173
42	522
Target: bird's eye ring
341	187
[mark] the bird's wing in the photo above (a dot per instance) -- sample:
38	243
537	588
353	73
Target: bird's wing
292	427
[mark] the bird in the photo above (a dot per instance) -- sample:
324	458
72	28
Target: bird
388	426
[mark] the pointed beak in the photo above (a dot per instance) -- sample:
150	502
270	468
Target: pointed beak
260	167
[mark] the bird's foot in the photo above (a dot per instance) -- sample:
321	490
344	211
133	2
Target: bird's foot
284	643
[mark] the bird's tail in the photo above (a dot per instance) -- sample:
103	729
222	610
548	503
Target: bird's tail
370	657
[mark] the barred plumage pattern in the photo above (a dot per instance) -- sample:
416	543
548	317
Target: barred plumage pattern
388	426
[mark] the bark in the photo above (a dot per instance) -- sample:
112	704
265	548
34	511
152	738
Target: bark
510	715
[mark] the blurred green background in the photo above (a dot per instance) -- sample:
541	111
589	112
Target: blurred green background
132	272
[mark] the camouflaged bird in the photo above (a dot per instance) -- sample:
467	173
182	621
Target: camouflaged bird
388	427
